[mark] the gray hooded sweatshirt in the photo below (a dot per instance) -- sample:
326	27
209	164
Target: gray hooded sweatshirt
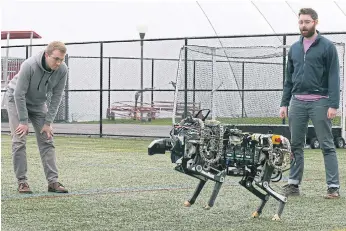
31	85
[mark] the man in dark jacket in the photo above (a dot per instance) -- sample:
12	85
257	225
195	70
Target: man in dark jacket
26	99
312	88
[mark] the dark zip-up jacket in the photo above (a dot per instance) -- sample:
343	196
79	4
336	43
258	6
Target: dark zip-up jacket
30	86
315	72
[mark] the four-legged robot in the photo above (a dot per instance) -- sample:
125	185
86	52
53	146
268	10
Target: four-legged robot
209	150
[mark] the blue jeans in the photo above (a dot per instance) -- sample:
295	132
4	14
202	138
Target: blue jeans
298	117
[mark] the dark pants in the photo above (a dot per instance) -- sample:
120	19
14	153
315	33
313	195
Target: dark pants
298	116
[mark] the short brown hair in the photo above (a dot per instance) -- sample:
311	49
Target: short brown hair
56	45
310	12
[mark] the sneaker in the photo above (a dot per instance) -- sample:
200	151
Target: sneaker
291	190
57	188
24	188
332	193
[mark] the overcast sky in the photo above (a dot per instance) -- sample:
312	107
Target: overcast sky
74	21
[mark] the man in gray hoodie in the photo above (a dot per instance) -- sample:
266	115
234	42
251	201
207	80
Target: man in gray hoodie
26	96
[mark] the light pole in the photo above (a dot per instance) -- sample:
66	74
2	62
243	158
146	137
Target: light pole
142	29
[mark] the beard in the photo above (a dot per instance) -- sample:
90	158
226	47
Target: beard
308	33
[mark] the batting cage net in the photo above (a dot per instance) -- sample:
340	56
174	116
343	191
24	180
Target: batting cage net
238	84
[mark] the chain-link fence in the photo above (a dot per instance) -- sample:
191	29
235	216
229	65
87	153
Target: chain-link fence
111	86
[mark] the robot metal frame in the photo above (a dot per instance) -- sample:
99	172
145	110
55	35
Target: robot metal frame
210	150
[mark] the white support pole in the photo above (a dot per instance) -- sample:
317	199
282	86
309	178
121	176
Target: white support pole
5	70
31	37
177	85
213	79
6	59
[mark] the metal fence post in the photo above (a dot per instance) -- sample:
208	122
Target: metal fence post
109	84
101	85
242	88
152	88
194	87
26	52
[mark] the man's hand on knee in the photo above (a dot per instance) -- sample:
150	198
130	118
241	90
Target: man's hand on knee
22	129
48	130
